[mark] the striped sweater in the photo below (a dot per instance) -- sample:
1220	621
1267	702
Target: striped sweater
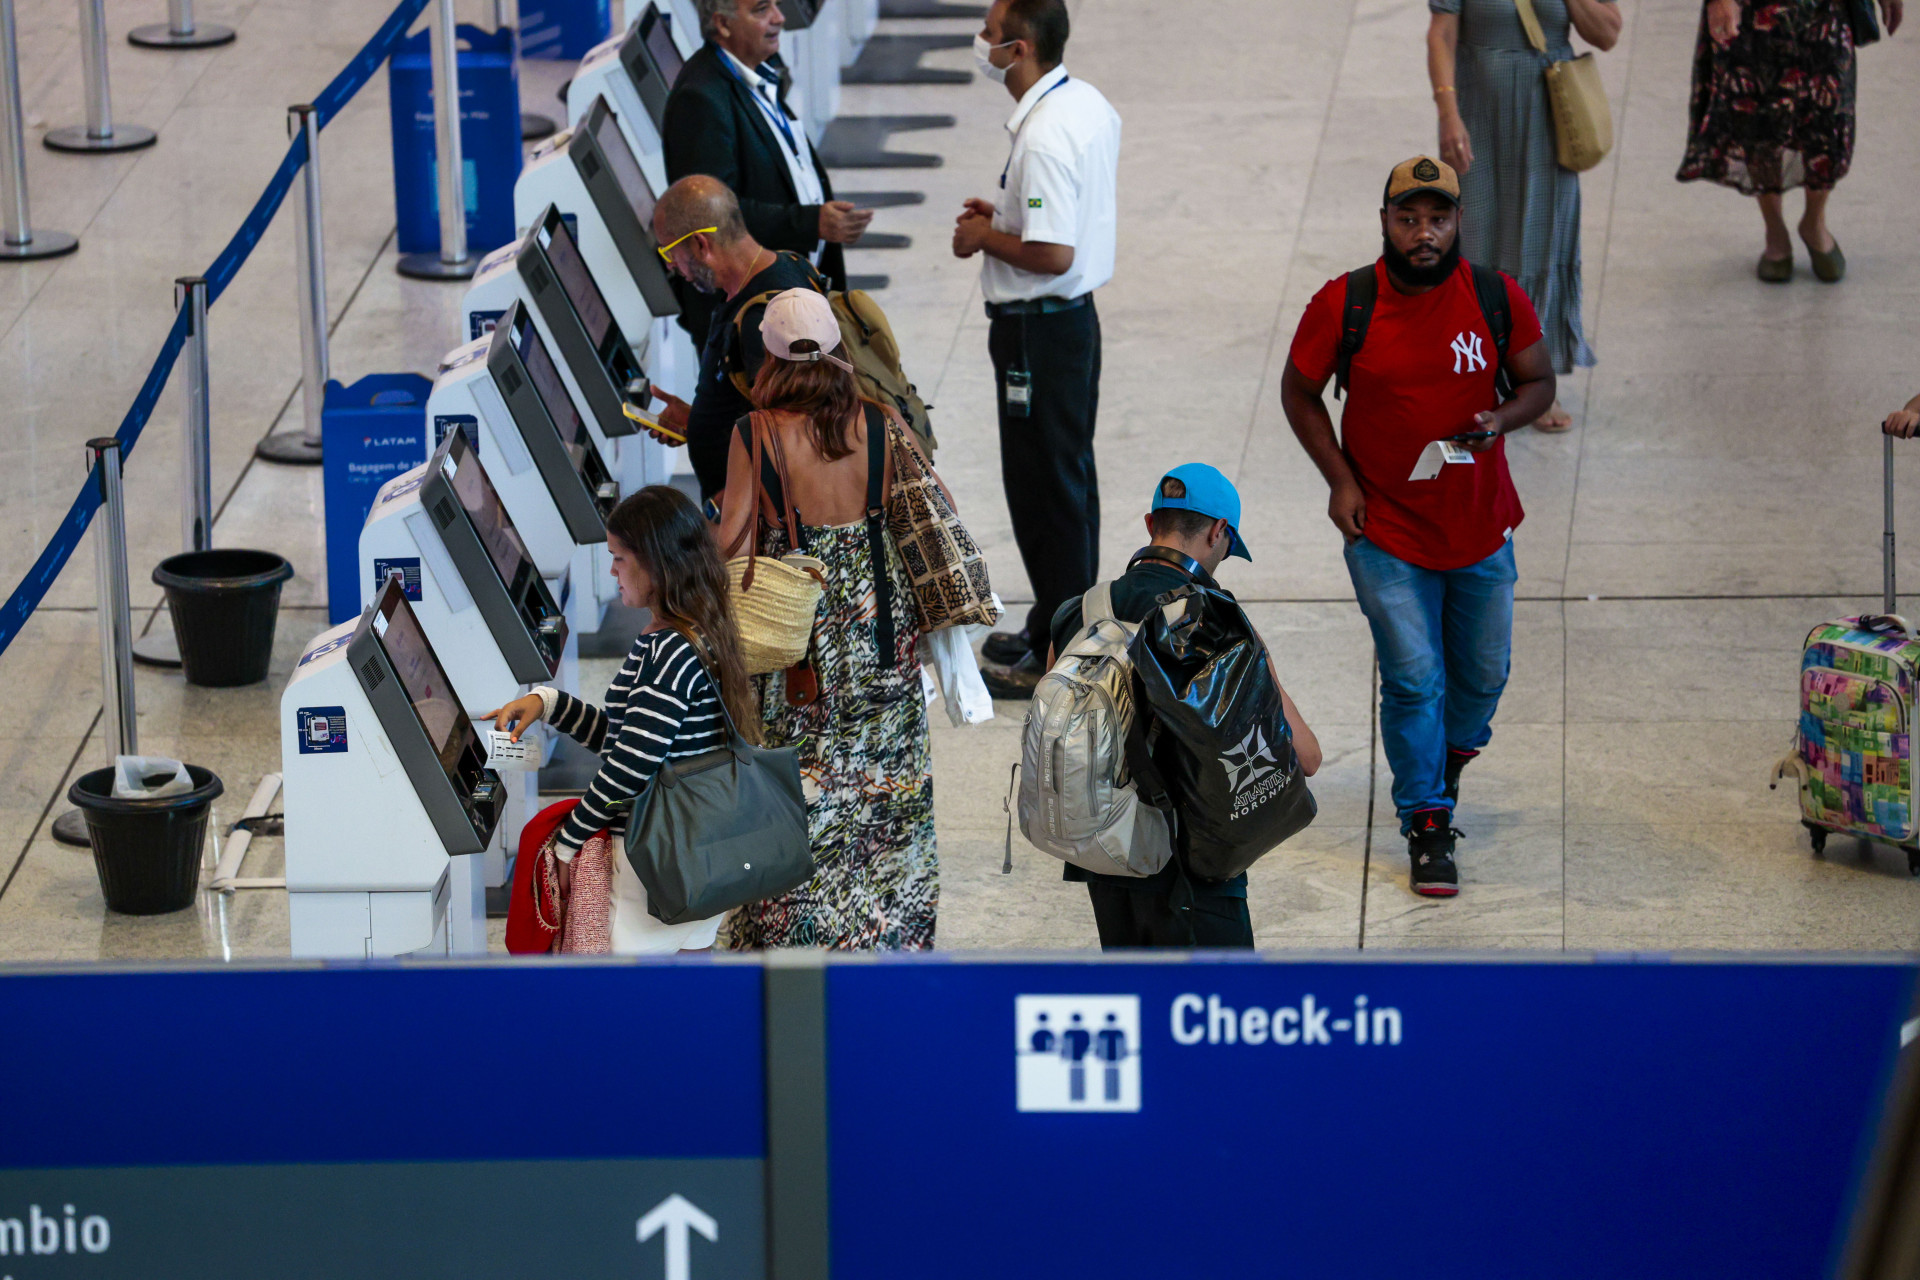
662	705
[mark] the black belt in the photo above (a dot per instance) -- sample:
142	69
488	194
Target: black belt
1036	306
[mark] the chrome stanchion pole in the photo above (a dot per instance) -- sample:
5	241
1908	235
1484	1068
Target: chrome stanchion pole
310	249
452	262
117	721
533	125
179	31
18	239
160	648
99	133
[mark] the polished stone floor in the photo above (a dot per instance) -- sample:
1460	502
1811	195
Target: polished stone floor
1719	494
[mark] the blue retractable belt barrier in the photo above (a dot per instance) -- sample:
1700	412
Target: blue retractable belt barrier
352	78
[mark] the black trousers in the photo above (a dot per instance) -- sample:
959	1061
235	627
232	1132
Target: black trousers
1046	457
1130	917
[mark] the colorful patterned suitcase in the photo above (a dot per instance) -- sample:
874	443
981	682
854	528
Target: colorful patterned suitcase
1853	754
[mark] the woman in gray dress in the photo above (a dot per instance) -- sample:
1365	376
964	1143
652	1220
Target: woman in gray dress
1522	210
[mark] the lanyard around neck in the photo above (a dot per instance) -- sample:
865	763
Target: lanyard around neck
1008	166
774	113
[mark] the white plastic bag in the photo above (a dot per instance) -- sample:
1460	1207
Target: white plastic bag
955	673
149	778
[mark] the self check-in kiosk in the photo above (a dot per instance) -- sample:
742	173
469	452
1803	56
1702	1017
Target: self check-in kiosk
506	392
635	71
589	173
545	272
388	795
443	532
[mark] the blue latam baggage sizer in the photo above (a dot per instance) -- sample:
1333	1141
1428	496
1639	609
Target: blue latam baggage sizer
489	139
370	432
563	30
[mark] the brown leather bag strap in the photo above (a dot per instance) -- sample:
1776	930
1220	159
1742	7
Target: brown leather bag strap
786	487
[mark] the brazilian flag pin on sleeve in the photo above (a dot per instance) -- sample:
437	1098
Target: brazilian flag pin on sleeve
1034	202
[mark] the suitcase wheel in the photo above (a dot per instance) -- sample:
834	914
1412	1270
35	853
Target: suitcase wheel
1818	835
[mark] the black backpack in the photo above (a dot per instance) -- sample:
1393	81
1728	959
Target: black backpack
1362	290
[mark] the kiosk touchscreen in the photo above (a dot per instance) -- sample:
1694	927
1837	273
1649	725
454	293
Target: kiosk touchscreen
503	391
546	274
653	62
388	794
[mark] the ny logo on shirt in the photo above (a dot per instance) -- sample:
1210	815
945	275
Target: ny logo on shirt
1466	347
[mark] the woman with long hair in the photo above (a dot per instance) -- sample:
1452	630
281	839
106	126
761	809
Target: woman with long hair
665	703
864	750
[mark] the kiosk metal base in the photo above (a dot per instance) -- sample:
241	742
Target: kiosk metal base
534	126
158	648
430	266
896	60
290	448
45	244
860	142
125	137
71	828
882	199
158	35
930	9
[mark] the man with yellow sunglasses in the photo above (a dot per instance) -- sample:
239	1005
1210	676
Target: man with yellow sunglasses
704	241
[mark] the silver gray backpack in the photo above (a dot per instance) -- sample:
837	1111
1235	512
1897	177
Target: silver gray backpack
1076	800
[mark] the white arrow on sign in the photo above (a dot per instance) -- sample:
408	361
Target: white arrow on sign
675	1215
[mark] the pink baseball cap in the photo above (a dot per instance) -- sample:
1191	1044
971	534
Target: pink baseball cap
801	315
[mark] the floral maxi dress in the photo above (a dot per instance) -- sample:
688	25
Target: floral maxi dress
1774	109
867	765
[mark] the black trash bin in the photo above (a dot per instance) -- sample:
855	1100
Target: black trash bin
224	603
146	851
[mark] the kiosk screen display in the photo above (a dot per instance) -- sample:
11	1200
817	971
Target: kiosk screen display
551	390
626	169
427	686
488	514
576	281
656	30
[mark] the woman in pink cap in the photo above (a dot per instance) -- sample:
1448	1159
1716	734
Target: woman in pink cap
864	750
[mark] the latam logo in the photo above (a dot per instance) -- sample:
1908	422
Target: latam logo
1077	1053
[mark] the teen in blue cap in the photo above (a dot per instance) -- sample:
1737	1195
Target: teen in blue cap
1194	525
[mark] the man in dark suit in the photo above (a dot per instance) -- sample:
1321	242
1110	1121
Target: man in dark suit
727	117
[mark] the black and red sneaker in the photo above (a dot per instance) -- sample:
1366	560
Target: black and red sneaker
1430	837
1456	761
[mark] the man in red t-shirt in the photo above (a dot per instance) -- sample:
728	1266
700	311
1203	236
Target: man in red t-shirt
1420	486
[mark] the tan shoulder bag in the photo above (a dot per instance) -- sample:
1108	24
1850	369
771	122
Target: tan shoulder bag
773	600
1582	121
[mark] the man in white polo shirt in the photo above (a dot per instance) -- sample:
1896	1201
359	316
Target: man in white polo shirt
1047	243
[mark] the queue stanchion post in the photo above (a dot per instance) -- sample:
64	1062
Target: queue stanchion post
180	31
533	125
303	448
117	718
18	240
99	133
452	261
160	647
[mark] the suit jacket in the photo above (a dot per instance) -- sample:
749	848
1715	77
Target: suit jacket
713	126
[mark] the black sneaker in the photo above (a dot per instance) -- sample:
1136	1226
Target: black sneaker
1014	682
1456	761
1430	852
1006	647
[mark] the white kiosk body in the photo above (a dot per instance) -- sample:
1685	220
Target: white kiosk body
811	46
443	531
504	390
590	174
388	797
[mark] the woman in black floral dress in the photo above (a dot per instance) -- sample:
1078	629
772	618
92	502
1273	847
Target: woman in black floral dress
1773	98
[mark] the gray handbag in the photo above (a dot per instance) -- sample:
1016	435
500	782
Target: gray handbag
720	830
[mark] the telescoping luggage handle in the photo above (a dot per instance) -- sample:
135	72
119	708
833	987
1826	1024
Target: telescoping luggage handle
1888	619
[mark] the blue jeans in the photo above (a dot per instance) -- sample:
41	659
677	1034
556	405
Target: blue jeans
1445	640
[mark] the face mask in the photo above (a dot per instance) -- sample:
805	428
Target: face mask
982	57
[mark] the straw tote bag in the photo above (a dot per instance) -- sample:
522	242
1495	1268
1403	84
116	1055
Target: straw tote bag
774	600
1582	121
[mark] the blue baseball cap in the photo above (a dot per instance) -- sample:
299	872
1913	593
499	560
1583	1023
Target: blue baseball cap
1197	487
